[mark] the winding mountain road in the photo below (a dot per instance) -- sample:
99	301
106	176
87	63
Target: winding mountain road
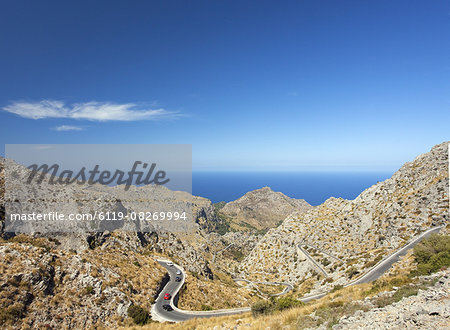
178	315
382	266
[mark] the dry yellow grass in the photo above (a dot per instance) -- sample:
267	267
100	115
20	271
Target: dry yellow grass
215	294
270	288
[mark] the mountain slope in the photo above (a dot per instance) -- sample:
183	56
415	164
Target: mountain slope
262	208
359	232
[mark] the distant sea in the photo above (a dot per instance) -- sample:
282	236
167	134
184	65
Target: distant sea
314	187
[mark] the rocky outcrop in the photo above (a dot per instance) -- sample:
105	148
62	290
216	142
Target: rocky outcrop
262	208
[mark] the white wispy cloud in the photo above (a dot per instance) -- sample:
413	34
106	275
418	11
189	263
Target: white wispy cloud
95	111
68	128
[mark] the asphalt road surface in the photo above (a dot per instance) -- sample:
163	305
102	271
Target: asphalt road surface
177	315
386	263
379	269
173	287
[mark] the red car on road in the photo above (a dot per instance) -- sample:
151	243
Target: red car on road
167	296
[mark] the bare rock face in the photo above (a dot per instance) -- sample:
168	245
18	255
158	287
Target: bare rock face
356	232
263	208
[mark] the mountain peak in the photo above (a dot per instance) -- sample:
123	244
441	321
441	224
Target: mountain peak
263	208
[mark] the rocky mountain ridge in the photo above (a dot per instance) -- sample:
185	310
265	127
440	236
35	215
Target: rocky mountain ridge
262	208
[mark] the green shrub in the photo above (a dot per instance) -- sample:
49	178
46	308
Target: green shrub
237	255
286	303
89	289
223	226
432	254
337	287
325	262
218	206
262	307
404	291
138	314
351	272
206	308
331	313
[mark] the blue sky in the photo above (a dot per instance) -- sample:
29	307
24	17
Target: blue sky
252	85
